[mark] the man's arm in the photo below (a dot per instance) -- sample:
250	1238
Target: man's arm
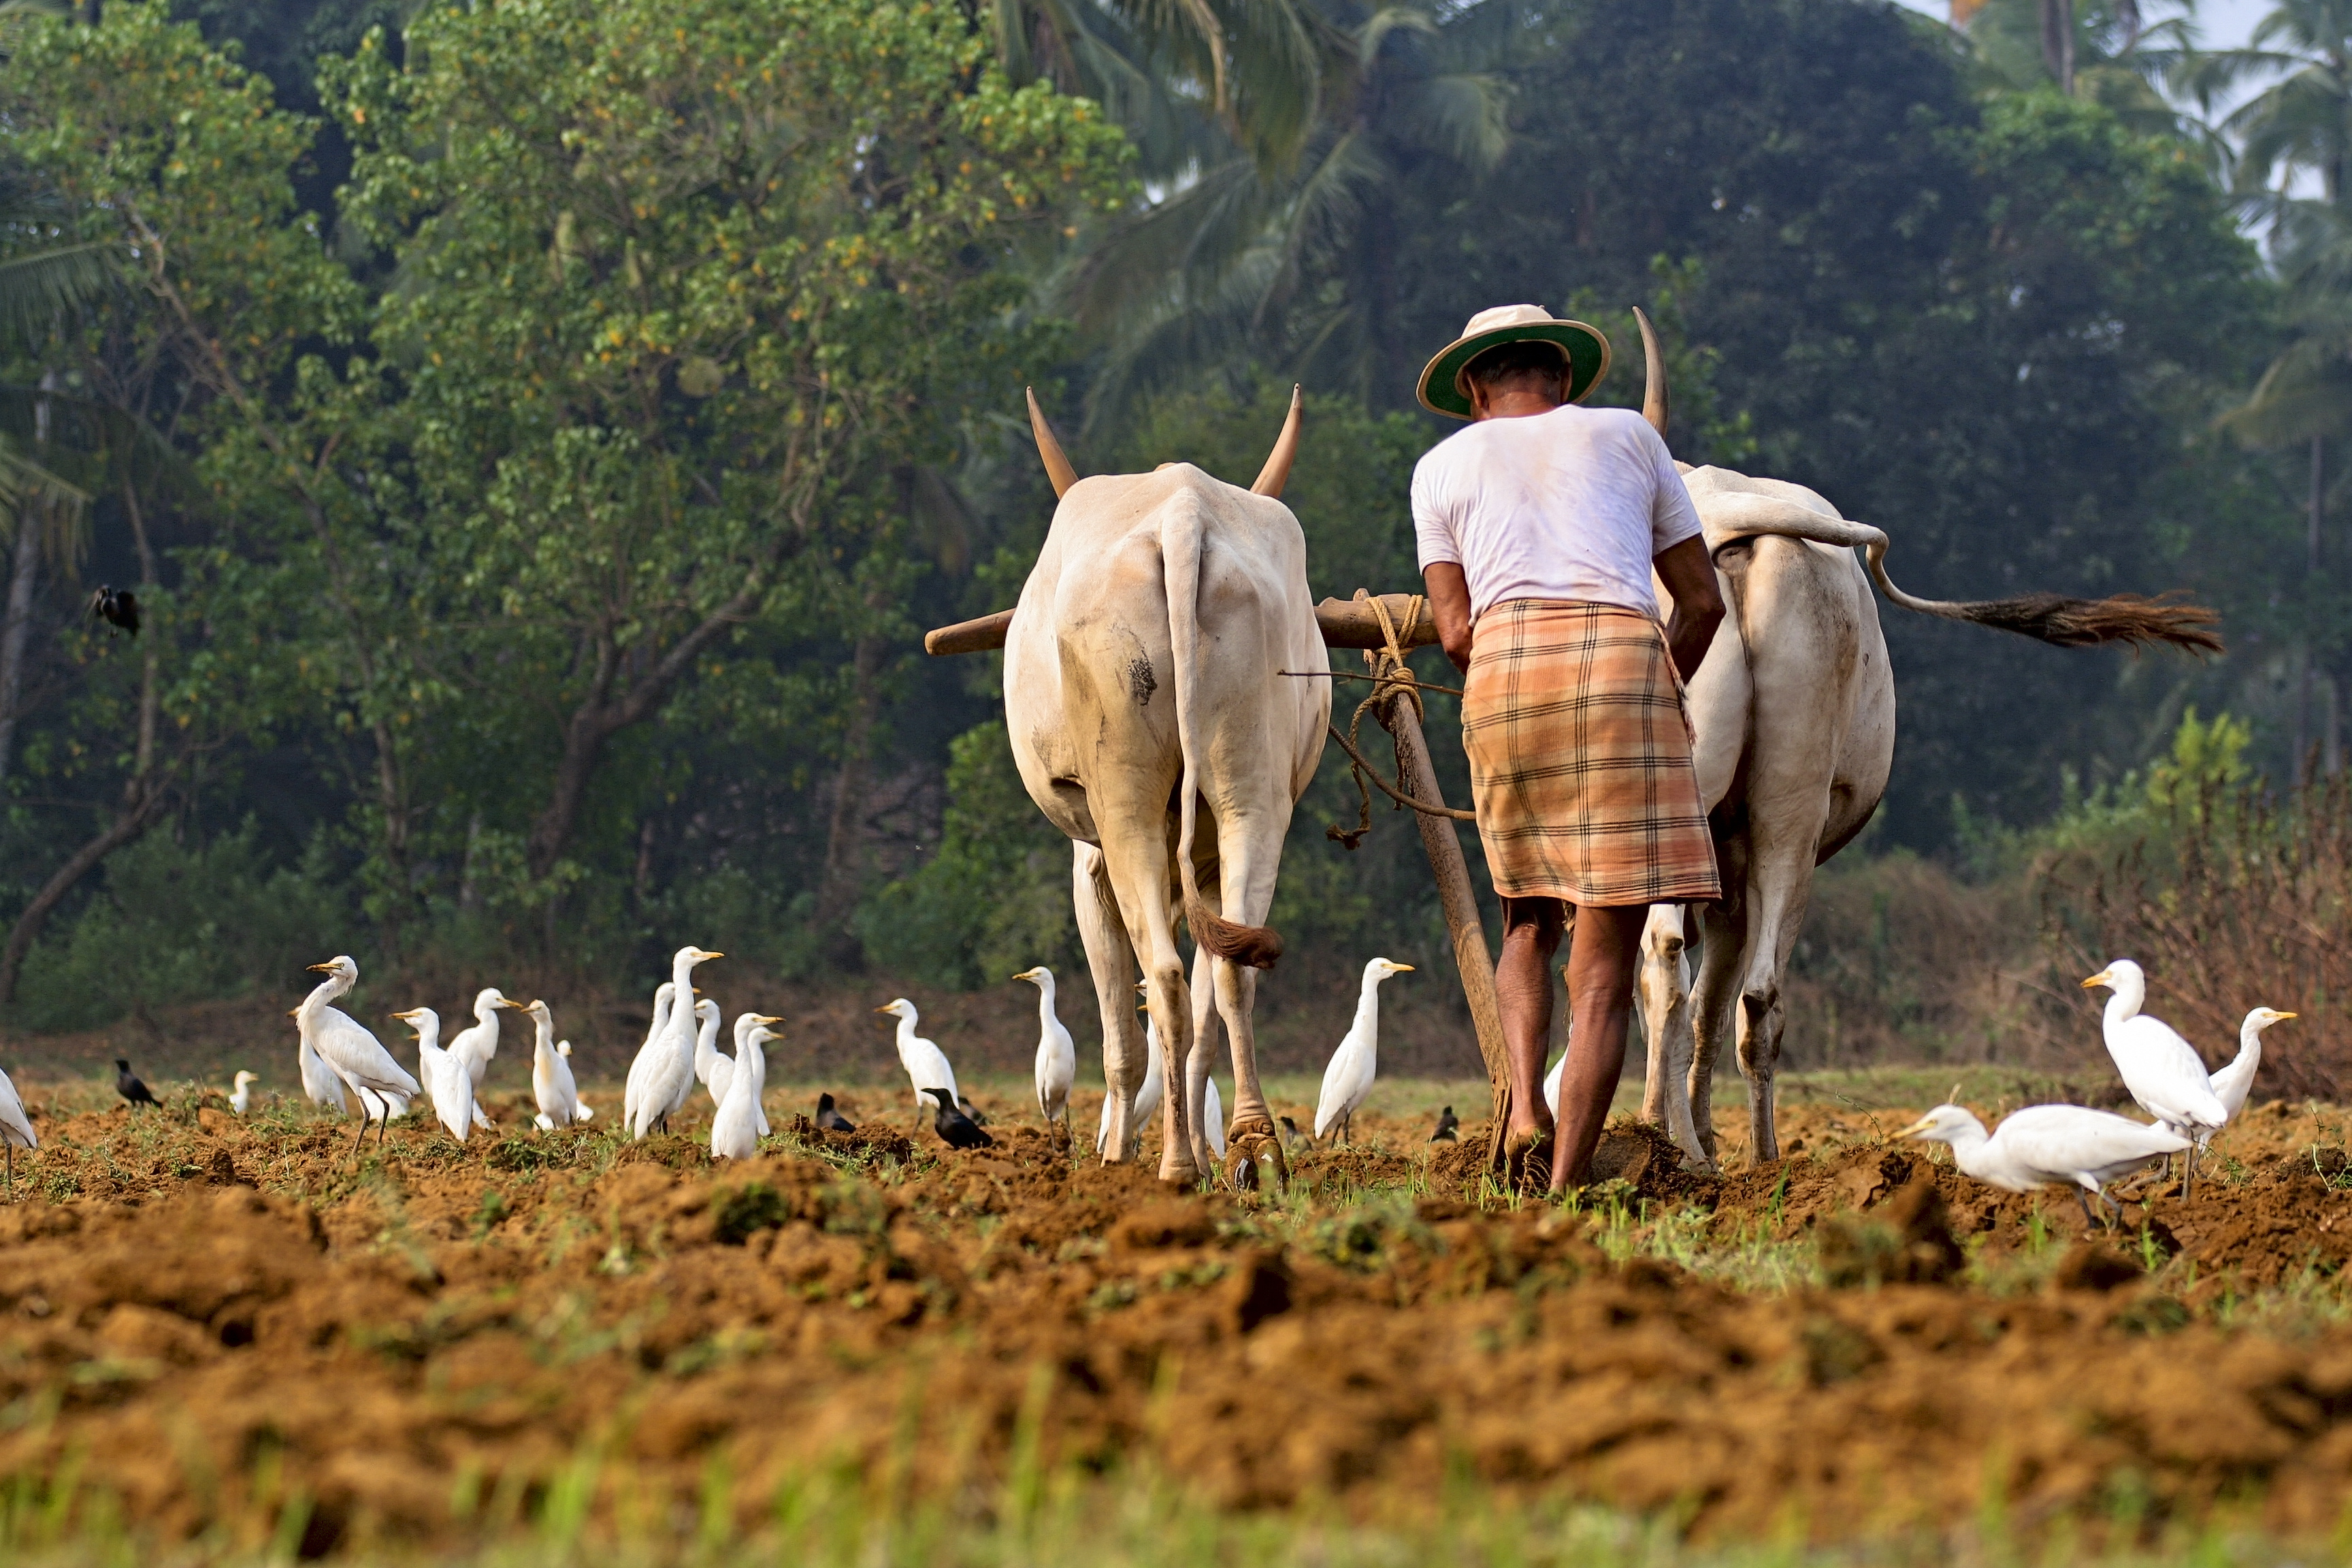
1449	603
1688	573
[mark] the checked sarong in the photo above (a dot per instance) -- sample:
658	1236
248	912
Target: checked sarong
1580	759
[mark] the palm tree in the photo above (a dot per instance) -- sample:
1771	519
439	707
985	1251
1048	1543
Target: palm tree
1280	249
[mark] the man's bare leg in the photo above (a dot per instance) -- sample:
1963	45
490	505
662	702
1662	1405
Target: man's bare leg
1602	959
1532	932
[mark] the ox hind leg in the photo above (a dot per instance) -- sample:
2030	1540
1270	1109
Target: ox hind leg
1780	887
1111	959
1663	993
1238	884
1723	931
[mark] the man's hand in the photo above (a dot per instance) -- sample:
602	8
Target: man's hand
1449	603
1688	573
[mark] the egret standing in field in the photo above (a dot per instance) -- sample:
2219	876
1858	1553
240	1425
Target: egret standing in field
668	1057
1058	1054
347	1046
240	1093
665	997
721	1074
735	1131
475	1046
926	1064
15	1129
2049	1145
2234	1082
550	1074
446	1082
320	1081
2163	1071
1348	1078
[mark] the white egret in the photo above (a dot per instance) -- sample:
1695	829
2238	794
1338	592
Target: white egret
657	1032
1551	1084
2049	1145
668	1059
1212	1118
1349	1078
446	1082
1058	1054
475	1046
15	1129
1147	1099
707	1017
2163	1071
550	1074
735	1131
351	1048
2234	1082
926	1064
722	1068
240	1094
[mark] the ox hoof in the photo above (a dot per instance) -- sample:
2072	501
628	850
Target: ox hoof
1253	1161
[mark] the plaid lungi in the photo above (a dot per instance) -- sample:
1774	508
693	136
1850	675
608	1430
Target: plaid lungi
1580	758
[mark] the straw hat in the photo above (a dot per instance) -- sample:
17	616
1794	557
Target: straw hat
1443	389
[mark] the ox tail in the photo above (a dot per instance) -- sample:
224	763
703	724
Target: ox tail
1182	543
2053	619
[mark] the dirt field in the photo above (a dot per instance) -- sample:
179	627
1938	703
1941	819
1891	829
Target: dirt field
211	1323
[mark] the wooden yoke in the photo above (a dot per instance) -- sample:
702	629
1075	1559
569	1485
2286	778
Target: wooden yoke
1360	623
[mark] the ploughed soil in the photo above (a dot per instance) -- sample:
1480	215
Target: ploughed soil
211	1319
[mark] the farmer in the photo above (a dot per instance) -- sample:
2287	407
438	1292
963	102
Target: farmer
1538	527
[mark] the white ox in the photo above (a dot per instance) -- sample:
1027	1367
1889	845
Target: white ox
1150	723
1794	715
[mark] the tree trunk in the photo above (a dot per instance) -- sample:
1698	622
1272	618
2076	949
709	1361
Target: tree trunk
845	837
2058	42
23	589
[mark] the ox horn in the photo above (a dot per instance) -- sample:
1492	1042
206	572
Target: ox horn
1049	451
1276	472
1653	367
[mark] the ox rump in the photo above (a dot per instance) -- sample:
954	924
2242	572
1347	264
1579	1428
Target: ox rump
1150	721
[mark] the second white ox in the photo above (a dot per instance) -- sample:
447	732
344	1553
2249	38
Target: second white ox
1793	712
1150	721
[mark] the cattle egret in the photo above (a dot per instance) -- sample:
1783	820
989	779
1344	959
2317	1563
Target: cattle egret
1449	1131
240	1094
657	1032
1058	1054
722	1069
1551	1084
668	1059
2049	1145
952	1124
1147	1099
926	1064
1212	1118
831	1120
320	1081
15	1129
351	1048
1348	1078
446	1083
474	1046
552	1084
2232	1083
2163	1071
735	1130
127	1084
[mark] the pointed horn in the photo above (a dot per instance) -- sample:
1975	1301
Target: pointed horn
1654	366
1276	472
1057	467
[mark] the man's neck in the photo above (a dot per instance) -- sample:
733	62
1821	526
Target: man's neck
1516	405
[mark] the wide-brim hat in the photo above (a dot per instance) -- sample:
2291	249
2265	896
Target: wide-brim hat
1443	390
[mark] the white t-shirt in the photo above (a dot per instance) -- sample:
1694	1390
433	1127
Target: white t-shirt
1572	504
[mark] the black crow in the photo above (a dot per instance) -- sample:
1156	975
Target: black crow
127	1084
1447	1128
1292	1138
830	1120
953	1125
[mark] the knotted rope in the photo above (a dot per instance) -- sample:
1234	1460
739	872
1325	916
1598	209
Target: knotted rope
1391	676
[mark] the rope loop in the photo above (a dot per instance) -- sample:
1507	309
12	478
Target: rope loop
1391	676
